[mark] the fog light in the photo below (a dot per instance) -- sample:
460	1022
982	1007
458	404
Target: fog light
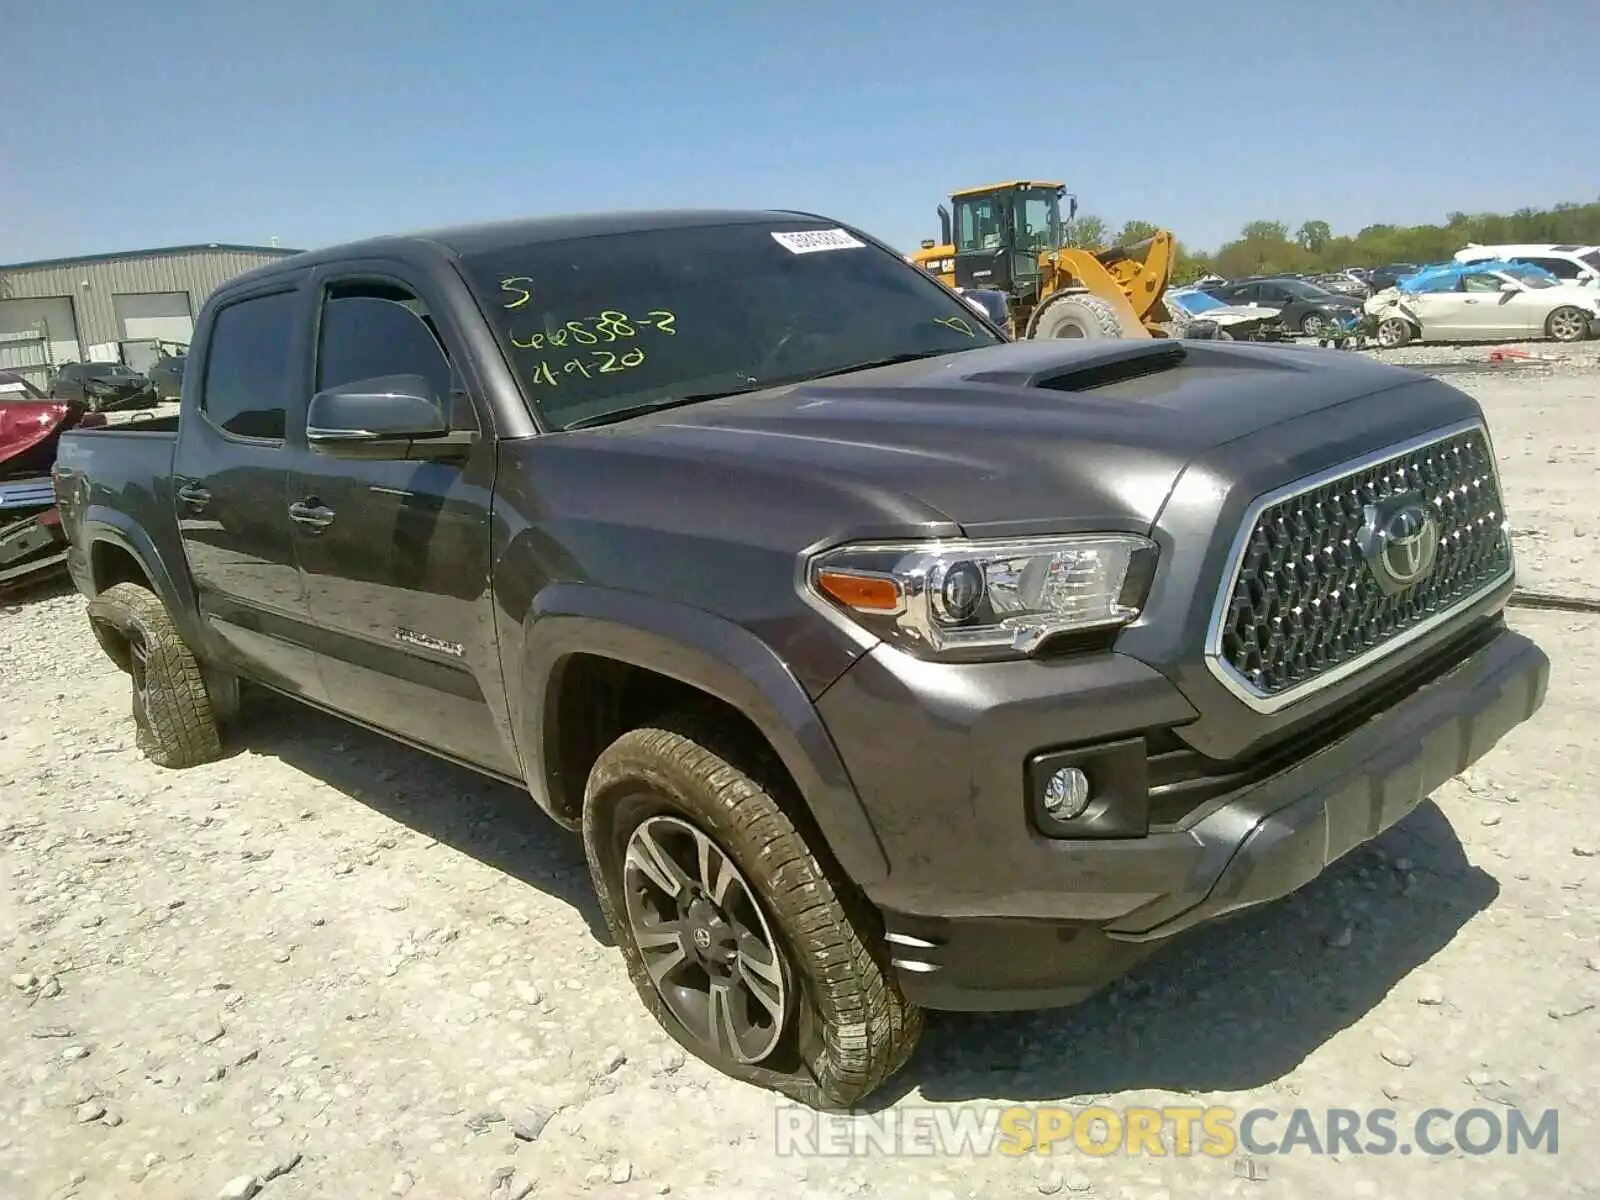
1066	793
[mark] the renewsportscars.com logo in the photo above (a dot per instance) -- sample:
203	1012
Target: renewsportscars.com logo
1173	1130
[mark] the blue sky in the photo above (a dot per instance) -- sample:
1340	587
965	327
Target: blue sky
316	122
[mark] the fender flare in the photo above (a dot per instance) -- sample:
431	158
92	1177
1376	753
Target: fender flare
706	652
106	525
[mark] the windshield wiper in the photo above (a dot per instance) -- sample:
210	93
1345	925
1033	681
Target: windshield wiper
650	406
639	410
889	361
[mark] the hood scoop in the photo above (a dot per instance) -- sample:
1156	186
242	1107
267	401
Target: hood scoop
1091	365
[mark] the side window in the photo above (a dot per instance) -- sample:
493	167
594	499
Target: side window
369	330
248	367
1561	268
1480	283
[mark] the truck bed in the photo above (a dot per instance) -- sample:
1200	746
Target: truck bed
120	476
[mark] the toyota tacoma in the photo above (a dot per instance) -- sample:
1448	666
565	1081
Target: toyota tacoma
881	663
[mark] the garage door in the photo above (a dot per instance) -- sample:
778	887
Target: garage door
163	315
36	332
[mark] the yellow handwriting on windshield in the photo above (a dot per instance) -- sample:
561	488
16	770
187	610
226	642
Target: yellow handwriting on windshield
599	362
611	325
959	324
513	286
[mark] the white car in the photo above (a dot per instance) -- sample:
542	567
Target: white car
1570	263
1469	302
1188	305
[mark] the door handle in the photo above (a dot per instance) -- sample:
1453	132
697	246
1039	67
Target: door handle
311	514
195	496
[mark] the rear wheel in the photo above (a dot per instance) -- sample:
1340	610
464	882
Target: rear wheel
1568	324
750	951
1394	333
1077	316
175	722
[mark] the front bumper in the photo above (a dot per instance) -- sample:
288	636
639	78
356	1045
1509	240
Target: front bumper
1025	921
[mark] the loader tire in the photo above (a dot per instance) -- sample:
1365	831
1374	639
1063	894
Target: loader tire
175	722
709	881
1077	316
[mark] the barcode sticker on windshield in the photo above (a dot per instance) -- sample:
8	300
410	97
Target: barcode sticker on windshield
809	241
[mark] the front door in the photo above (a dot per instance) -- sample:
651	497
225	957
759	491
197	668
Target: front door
396	553
1489	314
229	490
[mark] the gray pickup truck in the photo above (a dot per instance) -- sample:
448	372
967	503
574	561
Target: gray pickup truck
883	664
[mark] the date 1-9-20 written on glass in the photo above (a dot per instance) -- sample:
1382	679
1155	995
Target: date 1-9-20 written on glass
608	326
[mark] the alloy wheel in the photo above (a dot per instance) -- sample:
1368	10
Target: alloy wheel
705	941
1568	325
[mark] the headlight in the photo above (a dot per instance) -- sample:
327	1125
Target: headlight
986	599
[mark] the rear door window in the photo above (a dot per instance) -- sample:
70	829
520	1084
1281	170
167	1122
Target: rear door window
249	364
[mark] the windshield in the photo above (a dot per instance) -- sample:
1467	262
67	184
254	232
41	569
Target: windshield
1196	302
111	371
600	324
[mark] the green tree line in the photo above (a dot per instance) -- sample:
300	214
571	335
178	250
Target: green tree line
1264	247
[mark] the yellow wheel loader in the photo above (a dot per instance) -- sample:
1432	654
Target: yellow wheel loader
1008	238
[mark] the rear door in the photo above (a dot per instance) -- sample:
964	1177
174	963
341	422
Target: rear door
230	487
396	553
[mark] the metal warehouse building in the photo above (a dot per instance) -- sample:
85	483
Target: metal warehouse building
111	307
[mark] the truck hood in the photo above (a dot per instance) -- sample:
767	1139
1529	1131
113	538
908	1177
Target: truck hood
1009	439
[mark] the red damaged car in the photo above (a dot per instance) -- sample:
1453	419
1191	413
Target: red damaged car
31	538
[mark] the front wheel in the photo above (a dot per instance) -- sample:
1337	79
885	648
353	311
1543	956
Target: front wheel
1568	324
1315	325
1077	315
1394	333
741	943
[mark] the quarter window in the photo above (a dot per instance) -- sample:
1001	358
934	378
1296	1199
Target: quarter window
248	367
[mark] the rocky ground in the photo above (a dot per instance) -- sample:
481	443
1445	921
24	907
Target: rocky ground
331	967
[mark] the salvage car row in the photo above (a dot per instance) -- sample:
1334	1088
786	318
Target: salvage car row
1485	293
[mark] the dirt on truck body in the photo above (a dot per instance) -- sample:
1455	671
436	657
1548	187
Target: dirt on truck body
880	662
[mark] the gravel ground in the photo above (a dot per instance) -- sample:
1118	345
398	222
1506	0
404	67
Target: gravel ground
329	966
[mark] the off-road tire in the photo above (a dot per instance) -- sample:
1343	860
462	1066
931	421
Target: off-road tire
1076	315
1398	332
851	1029
1568	323
174	719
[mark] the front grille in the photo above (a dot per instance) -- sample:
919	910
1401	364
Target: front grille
1310	597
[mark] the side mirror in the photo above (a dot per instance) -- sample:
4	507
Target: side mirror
1509	287
392	416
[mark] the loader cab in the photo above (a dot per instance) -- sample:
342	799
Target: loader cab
999	233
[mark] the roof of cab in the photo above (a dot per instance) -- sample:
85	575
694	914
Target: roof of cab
487	237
